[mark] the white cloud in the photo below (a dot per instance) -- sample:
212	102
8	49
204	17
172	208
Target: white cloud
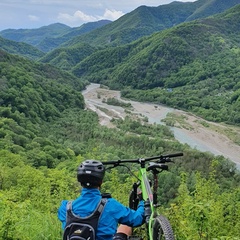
112	14
80	16
33	18
76	17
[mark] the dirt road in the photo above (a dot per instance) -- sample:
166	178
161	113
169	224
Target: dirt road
191	130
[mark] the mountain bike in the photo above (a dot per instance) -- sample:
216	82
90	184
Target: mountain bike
157	226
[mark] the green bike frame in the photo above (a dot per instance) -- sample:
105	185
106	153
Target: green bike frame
156	225
147	194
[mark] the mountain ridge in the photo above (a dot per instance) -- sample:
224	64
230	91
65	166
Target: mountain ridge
20	48
50	37
184	59
125	29
142	21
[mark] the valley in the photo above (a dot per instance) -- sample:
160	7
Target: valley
187	128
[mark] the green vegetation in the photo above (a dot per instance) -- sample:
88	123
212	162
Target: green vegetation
116	102
36	36
40	151
37	90
212	213
50	37
45	132
144	21
20	48
67	58
141	22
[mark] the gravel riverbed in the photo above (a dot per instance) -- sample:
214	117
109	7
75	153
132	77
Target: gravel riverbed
195	135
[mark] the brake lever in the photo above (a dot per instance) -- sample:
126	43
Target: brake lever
155	166
165	160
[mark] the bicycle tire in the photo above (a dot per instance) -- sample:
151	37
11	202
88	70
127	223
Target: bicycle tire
162	229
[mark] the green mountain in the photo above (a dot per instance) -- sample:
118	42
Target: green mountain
38	91
197	56
182	59
165	52
52	42
144	21
67	58
210	7
20	48
45	132
35	36
50	37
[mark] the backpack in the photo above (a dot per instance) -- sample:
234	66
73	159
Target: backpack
82	228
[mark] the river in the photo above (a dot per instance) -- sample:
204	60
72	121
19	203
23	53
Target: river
196	136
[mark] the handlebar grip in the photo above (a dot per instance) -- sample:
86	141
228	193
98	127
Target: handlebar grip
111	162
173	155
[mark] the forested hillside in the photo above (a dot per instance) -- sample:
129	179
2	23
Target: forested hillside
53	42
35	36
145	21
22	49
68	58
50	37
180	66
31	94
46	132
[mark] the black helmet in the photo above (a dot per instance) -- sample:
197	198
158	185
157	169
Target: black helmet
90	173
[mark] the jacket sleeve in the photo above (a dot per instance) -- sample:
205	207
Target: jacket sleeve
129	216
62	213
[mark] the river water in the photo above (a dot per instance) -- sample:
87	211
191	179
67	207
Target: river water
201	138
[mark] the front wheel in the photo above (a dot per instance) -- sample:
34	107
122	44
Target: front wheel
162	229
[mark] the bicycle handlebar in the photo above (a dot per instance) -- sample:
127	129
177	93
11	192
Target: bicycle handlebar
160	159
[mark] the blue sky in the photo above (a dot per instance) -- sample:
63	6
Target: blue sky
18	14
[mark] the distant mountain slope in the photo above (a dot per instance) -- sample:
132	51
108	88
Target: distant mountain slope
19	48
193	56
35	36
53	42
49	37
164	52
67	58
140	22
145	20
211	7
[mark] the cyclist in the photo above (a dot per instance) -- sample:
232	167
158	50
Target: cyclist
90	174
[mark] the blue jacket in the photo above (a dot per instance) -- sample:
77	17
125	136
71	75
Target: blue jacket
114	213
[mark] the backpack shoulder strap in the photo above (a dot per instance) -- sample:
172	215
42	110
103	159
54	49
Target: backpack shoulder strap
97	211
100	206
69	205
69	209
